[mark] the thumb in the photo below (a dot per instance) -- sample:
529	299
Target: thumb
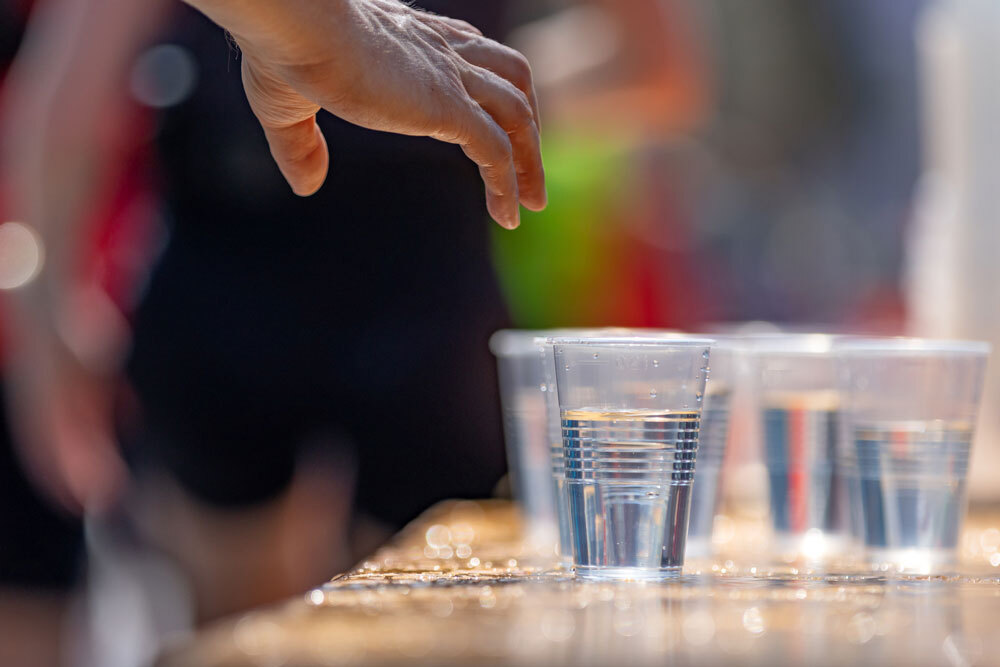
301	153
289	122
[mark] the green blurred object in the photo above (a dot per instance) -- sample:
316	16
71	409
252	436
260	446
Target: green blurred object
558	267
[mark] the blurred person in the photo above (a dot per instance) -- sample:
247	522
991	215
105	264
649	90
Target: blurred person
40	545
39	554
645	67
354	319
777	184
803	177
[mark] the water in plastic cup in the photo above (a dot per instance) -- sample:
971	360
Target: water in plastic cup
630	415
554	439
554	429
796	384
910	406
522	396
706	489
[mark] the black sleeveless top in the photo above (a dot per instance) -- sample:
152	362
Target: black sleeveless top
399	231
270	316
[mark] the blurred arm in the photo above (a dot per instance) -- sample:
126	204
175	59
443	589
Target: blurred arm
62	99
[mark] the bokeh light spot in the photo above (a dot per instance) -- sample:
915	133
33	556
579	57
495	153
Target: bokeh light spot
163	76
20	255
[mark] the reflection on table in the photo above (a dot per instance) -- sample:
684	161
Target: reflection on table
459	587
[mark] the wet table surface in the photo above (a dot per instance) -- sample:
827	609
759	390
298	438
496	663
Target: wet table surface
459	587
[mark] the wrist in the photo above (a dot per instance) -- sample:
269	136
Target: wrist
277	26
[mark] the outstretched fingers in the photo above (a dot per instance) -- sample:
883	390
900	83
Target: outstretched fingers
512	111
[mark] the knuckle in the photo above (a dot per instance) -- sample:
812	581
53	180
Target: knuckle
459	127
520	69
453	135
504	151
470	124
497	149
300	145
522	116
430	31
465	25
496	179
462	42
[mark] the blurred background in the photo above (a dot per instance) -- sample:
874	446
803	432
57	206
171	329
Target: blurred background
770	177
812	164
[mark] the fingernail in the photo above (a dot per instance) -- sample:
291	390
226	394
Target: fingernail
514	221
542	201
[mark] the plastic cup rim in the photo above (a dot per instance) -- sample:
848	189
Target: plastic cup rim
906	345
629	341
795	344
522	342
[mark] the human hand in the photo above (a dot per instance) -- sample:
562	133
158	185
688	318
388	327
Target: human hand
386	66
59	394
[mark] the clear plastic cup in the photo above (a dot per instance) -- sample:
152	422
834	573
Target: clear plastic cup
727	352
522	397
535	465
910	407
630	411
720	391
798	403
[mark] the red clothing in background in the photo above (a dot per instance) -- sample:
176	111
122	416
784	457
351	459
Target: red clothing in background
122	218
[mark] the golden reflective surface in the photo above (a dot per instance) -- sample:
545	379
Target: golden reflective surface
458	587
